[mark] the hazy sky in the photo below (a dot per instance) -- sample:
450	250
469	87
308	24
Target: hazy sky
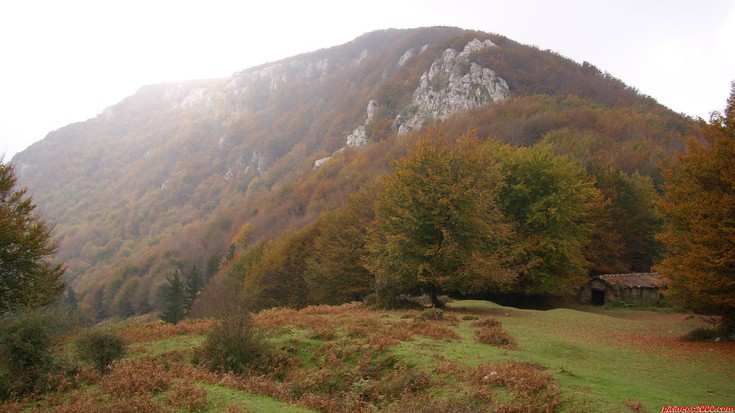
66	61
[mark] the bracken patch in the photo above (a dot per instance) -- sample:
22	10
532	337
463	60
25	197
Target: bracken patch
133	377
187	396
533	390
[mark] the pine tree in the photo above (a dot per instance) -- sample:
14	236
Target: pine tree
27	277
194	284
173	296
212	266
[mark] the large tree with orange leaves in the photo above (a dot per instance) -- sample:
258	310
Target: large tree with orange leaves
699	204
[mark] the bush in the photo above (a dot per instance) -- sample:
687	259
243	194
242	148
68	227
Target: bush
100	349
533	390
235	345
26	360
143	376
385	299
701	334
486	322
496	336
187	396
411	403
432	314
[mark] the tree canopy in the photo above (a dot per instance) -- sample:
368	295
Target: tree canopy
699	204
548	198
27	276
335	271
437	225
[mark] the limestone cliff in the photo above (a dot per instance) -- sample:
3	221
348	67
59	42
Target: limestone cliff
453	83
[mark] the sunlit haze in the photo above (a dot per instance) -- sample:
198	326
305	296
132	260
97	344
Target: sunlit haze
66	61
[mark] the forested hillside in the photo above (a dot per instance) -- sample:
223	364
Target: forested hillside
218	180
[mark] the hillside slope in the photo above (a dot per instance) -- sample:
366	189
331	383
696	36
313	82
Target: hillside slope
166	178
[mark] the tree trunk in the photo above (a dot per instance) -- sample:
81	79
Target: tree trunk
435	300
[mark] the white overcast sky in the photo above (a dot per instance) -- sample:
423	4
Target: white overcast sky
64	61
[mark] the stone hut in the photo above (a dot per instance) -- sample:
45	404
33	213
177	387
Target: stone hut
637	288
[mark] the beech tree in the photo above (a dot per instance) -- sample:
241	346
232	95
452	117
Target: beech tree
335	271
277	278
699	205
548	198
28	278
437	227
625	225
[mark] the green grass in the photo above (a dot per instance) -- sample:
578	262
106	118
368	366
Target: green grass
158	347
219	398
600	358
596	358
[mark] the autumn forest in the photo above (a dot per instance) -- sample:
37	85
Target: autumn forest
182	193
407	222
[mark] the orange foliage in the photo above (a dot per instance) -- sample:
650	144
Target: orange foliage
699	204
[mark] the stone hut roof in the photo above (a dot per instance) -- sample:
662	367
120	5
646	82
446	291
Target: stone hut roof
635	280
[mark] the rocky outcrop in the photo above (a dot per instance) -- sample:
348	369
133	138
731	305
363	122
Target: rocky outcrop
453	83
320	162
410	53
358	138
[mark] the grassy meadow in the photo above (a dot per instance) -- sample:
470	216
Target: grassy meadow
476	356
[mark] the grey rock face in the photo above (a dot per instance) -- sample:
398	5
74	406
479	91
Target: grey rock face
358	137
453	83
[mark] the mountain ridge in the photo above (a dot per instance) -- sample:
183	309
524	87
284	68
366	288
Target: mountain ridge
166	177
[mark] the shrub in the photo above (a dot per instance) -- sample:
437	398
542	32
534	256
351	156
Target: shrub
187	396
431	330
427	404
100	348
701	334
322	333
431	314
633	405
401	381
486	322
496	336
533	389
136	377
235	345
385	298
26	360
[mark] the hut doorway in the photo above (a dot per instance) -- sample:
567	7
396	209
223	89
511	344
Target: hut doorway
598	297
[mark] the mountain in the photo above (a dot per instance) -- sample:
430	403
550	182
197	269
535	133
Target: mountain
167	177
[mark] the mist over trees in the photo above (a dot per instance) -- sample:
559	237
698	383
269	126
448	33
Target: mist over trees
164	182
254	199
